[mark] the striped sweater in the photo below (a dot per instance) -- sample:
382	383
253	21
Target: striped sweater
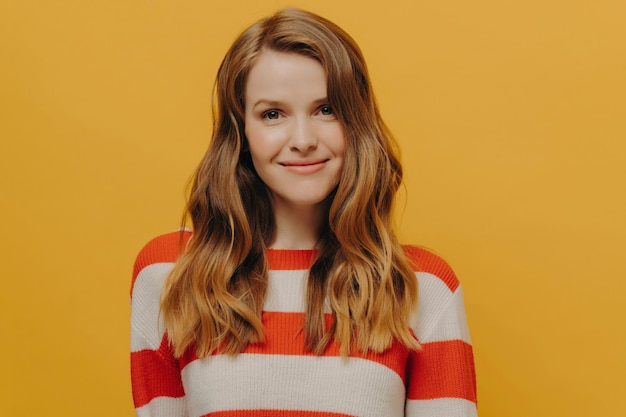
278	378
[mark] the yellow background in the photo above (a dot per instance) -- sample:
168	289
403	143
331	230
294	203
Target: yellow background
511	117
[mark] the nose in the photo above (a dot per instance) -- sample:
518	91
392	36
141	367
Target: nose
302	137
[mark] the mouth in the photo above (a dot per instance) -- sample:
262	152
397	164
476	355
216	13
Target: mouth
305	166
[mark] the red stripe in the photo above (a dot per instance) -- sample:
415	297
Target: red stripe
154	374
164	248
442	369
284	336
281	260
422	260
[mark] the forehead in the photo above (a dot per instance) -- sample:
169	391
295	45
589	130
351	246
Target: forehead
281	76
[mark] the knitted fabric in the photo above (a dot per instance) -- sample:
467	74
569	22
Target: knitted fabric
278	378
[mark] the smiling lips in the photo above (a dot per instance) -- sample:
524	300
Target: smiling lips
304	167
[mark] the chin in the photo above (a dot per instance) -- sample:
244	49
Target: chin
305	200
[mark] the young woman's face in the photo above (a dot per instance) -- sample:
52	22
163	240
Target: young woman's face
296	142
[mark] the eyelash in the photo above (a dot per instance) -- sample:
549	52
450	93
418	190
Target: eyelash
266	114
327	107
276	113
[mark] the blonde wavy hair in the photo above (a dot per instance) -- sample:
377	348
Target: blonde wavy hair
213	298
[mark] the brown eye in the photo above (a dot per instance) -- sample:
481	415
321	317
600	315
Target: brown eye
271	114
326	110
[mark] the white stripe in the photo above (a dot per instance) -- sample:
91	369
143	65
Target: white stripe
286	291
441	313
351	386
448	407
146	326
164	407
452	323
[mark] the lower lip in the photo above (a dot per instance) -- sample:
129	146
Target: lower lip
305	169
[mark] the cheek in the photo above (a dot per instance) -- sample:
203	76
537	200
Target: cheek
256	154
255	140
253	130
337	142
249	131
339	149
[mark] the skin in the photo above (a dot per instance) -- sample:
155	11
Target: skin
296	143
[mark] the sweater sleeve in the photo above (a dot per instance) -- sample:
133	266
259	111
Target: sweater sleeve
441	378
155	372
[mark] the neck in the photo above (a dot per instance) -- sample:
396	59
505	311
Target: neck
297	227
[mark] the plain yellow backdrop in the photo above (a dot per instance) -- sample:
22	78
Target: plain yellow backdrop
511	118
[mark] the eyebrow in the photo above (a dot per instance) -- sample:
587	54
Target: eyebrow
269	103
277	103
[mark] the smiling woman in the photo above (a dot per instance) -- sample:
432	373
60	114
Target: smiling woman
292	295
296	142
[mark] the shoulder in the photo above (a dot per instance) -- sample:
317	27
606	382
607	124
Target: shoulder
424	261
162	249
440	313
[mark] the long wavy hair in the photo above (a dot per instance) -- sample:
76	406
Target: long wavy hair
213	298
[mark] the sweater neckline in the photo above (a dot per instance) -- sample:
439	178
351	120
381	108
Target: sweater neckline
289	259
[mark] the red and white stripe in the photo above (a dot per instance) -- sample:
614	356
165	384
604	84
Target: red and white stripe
278	378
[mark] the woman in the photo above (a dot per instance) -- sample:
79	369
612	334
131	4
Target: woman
292	295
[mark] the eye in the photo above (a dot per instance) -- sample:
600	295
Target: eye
271	115
326	110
